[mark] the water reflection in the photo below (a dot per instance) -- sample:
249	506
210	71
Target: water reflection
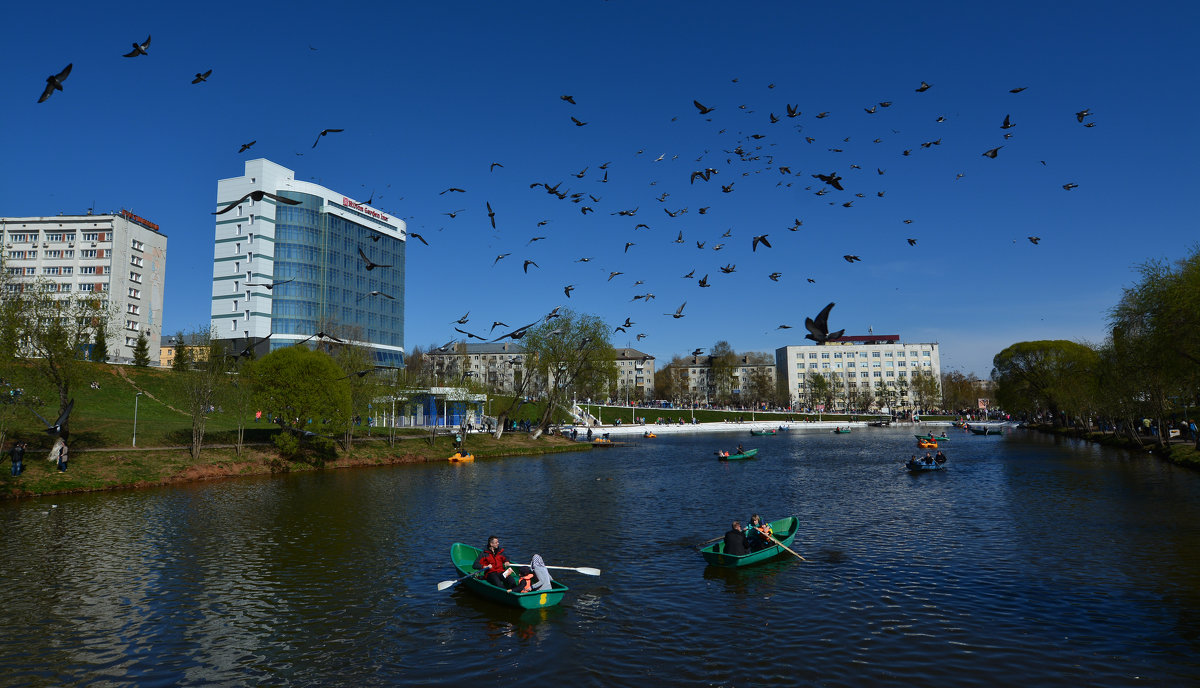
1029	556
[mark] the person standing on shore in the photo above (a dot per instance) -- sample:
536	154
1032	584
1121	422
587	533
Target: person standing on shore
18	458
62	458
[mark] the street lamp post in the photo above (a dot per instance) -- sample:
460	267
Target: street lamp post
135	407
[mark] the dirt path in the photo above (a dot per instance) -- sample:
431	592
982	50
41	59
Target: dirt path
121	372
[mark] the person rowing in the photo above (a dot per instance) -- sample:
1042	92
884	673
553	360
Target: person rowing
494	565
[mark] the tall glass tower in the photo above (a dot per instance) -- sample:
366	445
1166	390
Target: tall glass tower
293	271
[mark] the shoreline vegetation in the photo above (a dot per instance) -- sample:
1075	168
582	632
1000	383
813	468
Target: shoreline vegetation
1179	451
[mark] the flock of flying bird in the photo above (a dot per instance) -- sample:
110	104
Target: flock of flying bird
740	157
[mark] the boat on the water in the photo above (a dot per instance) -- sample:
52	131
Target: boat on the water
931	438
841	431
919	466
784	530
747	454
463	557
460	457
759	433
649	435
927	444
987	430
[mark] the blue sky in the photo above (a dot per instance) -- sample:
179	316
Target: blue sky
431	94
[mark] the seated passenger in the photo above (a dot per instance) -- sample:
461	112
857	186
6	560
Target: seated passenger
495	565
735	541
760	533
940	458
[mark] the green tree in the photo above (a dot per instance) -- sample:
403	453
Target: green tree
819	392
303	389
571	353
924	387
100	345
141	352
723	361
202	386
358	369
1043	376
959	391
183	352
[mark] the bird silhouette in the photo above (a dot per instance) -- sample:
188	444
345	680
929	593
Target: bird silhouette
992	153
569	99
568	289
370	265
497	323
201	77
811	280
1086	112
611	275
703	283
912	242
139	49
525	267
1068	187
321	335
470	335
54	82
377	293
1007	123
1034	240
256	196
818	330
1017	90
453	188
414	235
577	122
246	146
324	132
678	311
463	320
761	239
923	87
729	268
55	429
831	179
491	214
703	110
271	285
851	259
502	255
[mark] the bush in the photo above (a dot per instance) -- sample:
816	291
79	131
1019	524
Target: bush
287	443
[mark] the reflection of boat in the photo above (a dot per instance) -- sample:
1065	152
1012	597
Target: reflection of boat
784	428
986	430
927	444
747	454
879	423
759	433
464	556
784	530
919	466
460	457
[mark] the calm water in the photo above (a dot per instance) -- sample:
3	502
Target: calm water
1030	561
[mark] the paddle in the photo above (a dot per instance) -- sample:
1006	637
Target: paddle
585	570
451	583
709	542
776	541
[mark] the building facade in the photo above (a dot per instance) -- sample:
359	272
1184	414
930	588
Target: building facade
880	366
499	367
748	381
635	376
121	256
294	271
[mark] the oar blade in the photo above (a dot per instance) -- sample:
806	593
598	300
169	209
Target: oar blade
446	584
588	571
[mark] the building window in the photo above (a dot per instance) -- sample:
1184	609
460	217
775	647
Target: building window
132	309
874	354
91	236
136	261
812	355
52	271
135	293
88	253
824	355
924	353
135	277
137	245
87	287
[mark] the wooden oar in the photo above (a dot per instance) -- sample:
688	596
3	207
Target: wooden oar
585	570
451	583
709	542
776	541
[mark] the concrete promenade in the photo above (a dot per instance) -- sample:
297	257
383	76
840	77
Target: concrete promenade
631	430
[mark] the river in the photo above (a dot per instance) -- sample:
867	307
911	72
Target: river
1031	560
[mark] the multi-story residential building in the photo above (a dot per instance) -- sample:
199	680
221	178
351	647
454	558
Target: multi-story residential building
880	366
295	271
169	347
121	256
635	376
497	366
751	379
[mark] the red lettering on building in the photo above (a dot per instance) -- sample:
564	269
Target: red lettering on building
137	219
364	209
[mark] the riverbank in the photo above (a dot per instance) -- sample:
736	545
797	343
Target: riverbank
117	469
631	430
1178	451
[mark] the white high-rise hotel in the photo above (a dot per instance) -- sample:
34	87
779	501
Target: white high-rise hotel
119	255
874	362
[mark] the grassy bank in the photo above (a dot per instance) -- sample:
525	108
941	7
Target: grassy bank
1181	452
102	455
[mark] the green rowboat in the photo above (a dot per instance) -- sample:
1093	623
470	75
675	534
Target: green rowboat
785	531
842	431
464	556
931	438
748	454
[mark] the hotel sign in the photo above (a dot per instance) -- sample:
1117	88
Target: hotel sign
139	220
364	209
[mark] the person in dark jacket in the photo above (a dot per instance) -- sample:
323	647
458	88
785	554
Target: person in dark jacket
735	540
18	458
495	565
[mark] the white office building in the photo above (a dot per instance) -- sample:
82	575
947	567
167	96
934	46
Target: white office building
120	255
292	271
872	363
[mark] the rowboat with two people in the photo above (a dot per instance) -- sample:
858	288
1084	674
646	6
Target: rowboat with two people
926	464
463	557
727	455
783	533
841	431
931	438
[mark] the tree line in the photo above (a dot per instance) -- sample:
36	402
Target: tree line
1147	369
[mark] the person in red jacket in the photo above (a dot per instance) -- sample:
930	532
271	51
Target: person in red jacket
495	565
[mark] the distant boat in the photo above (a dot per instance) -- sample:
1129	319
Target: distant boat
987	430
759	433
919	466
746	454
841	431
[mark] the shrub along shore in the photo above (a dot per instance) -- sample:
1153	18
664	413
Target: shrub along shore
93	470
1179	451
